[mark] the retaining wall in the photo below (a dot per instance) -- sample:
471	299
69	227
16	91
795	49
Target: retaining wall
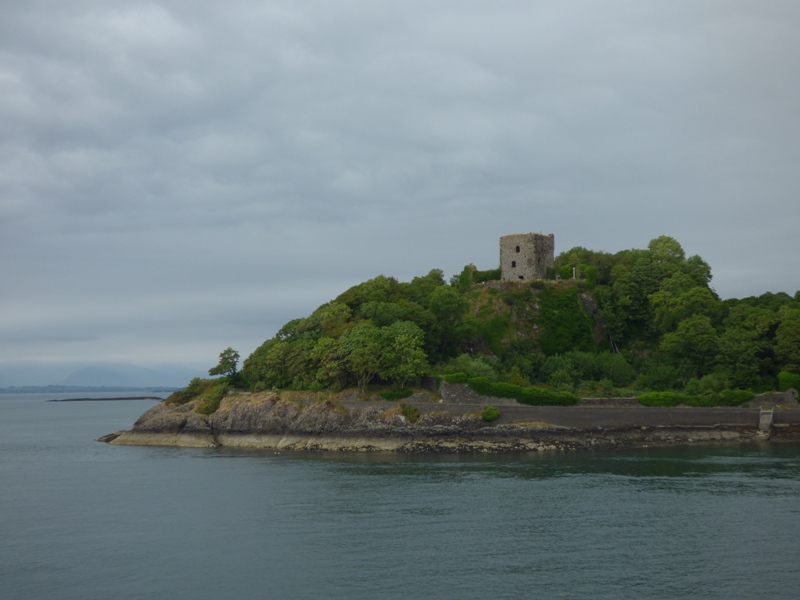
592	417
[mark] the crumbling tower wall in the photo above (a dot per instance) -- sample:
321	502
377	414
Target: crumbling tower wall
526	256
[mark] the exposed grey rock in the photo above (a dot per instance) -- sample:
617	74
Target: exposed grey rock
266	421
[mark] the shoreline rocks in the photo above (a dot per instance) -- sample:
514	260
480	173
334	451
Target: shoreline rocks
270	422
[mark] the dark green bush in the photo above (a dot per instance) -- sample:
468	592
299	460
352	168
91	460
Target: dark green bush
788	380
490	413
734	397
481	385
540	397
395	394
212	398
410	412
668	399
455	378
525	395
195	388
484	276
661	399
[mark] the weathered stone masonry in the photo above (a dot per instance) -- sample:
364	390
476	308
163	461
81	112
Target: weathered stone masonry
526	256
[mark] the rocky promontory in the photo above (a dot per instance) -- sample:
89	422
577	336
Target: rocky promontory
312	422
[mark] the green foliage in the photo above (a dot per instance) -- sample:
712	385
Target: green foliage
228	360
464	280
490	413
564	323
694	343
787	337
787	380
677	299
378	289
734	397
470	366
525	395
420	289
402	358
393	395
455	378
573	367
484	276
590	273
494	331
410	412
211	398
196	387
539	397
664	329
670	399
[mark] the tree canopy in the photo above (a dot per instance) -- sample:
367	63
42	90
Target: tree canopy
640	318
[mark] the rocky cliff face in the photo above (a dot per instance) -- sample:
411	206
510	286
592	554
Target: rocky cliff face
266	414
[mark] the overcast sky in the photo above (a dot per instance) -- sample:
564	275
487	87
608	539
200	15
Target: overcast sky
181	176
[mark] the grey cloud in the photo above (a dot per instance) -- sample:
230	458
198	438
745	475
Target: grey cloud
176	177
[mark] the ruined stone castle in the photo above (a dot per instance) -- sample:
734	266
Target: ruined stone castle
526	256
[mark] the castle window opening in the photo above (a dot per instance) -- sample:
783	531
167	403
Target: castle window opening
517	248
522	277
513	263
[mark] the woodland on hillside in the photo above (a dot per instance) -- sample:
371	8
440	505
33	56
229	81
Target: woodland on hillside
604	324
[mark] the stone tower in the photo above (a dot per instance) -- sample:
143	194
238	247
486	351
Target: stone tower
526	256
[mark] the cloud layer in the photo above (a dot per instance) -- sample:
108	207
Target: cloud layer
177	177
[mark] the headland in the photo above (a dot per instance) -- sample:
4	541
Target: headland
326	422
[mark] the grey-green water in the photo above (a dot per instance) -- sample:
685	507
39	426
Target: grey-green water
80	519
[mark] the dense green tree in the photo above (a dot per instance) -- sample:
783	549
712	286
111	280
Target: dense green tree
420	289
693	345
402	356
564	323
787	339
332	319
377	289
361	347
471	366
653	308
679	298
330	357
228	362
745	354
448	307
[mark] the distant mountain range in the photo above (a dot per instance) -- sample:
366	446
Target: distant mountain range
102	375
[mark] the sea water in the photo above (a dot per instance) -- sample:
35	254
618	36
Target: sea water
81	519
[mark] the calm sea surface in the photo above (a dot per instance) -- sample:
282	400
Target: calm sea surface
83	520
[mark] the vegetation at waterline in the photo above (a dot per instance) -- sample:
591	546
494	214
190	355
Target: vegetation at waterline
490	413
632	322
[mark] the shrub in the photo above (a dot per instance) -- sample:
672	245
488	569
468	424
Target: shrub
734	397
472	366
483	276
484	387
788	380
212	398
490	413
525	395
411	413
455	378
395	394
540	397
669	399
195	388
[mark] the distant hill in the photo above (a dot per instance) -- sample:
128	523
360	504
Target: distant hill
119	375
